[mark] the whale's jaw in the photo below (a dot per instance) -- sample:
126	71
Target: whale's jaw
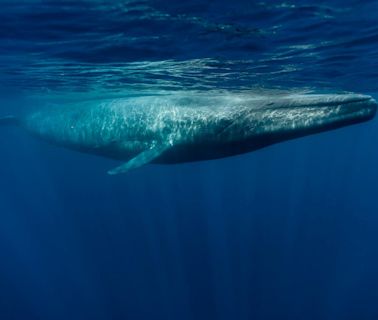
297	116
333	110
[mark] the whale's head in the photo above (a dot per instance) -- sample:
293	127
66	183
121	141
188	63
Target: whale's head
281	118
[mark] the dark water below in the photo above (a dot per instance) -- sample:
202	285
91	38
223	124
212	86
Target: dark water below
288	232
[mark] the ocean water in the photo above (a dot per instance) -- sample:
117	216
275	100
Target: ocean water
287	232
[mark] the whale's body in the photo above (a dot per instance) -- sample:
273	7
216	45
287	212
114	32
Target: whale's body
182	128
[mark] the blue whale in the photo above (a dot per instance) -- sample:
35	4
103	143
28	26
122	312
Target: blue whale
175	128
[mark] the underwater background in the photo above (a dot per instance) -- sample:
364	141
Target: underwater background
287	232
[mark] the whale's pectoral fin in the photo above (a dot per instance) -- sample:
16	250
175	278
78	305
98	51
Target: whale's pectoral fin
141	159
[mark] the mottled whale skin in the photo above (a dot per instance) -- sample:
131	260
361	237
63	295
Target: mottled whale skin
177	128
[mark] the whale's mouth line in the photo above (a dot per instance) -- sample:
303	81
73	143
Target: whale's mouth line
354	110
357	102
360	102
353	104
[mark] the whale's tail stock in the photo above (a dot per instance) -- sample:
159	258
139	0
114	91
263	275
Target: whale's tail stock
8	121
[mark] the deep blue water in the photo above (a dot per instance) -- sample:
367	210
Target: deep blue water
287	232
